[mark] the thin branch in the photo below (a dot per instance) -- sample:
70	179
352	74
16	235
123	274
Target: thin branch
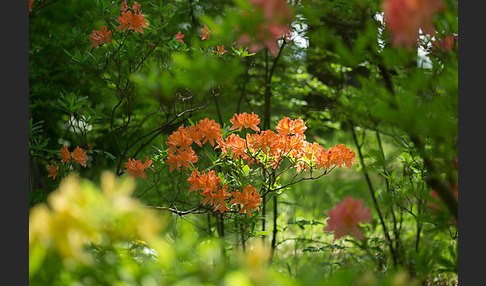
196	210
372	193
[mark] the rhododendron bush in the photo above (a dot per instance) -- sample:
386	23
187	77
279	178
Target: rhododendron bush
246	142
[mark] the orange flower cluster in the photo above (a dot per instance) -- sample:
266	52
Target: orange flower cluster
180	151
136	168
271	148
235	145
266	147
216	194
209	185
182	158
77	156
249	199
131	18
245	120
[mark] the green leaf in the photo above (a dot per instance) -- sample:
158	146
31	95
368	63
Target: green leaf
261	233
246	170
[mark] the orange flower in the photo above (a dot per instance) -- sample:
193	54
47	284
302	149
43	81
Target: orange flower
179	37
322	158
179	138
79	156
195	134
237	121
136	6
340	154
208	195
346	216
222	208
404	18
209	184
182	158
251	121
245	120
349	156
100	37
335	157
173	162
267	141
52	169
234	145
187	157
249	198
220	50
286	126
195	181
219	198
292	144
205	33
299	126
124	7
65	155
210	129
311	151
138	22
30	5
136	168
222	195
125	19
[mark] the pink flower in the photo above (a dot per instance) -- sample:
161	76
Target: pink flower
274	9
345	216
179	37
272	25
404	18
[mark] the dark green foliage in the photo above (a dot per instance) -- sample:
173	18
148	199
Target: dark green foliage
397	108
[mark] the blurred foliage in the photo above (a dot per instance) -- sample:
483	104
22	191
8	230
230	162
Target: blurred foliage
90	235
396	107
